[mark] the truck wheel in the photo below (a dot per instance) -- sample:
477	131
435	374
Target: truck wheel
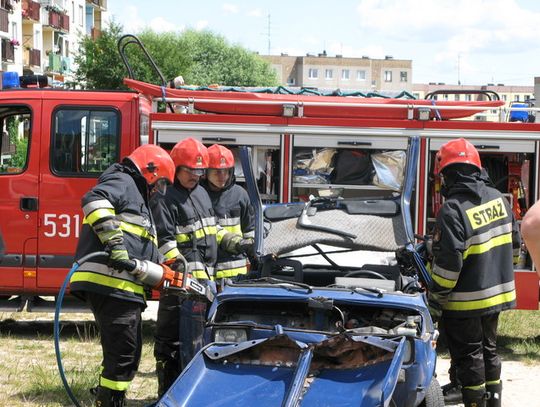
434	395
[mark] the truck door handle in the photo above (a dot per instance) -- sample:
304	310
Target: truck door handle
487	147
354	143
29	204
219	139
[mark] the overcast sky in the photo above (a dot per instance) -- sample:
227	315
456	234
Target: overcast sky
475	41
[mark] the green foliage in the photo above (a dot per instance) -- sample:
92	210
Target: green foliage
18	159
202	58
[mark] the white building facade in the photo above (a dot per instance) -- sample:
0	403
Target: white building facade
42	36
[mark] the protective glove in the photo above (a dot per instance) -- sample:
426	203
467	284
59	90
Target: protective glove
246	246
119	258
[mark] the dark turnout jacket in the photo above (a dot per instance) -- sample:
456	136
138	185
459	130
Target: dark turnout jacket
234	214
474	244
118	205
186	225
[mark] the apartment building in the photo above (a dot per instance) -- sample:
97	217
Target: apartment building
507	93
41	37
327	72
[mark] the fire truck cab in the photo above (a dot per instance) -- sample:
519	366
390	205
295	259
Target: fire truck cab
55	144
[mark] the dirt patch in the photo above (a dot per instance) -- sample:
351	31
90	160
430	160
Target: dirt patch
521	382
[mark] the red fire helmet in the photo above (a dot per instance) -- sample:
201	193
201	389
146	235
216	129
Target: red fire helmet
190	153
153	162
220	157
458	151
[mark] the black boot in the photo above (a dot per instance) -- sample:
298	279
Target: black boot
167	371
474	398
494	392
452	393
110	398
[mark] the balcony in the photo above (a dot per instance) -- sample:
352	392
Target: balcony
8	51
55	63
31	10
56	19
32	57
4	20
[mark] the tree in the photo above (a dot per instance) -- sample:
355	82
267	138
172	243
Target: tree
202	58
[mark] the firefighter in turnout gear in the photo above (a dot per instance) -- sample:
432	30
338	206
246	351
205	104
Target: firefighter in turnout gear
232	208
473	278
186	226
117	219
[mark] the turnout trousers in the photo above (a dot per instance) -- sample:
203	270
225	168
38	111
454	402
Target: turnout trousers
119	322
472	343
178	337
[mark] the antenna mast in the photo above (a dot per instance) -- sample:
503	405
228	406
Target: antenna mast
268	34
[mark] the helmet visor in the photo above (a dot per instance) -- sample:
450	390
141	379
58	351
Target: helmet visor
160	186
199	172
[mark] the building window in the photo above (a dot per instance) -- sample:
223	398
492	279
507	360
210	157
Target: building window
468	98
81	15
456	98
527	98
361	75
403	76
388	76
328	73
516	99
291	81
345	74
416	95
445	97
504	97
313	73
84	141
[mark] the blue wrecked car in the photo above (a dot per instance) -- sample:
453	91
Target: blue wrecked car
334	313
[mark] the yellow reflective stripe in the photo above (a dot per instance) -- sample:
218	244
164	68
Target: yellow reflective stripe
492	382
108	281
200	274
220	235
443	282
172	254
236	229
199	234
479	387
99	214
231	272
113	385
487	246
480	304
137	230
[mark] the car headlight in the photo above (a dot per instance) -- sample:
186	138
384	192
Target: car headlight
408	352
230	335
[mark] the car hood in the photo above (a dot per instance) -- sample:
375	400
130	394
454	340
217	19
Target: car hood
343	370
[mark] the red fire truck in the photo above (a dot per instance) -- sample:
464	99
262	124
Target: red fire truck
55	143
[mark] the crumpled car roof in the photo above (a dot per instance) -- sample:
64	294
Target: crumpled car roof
373	232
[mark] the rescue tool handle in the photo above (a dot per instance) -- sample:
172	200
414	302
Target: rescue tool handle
354	143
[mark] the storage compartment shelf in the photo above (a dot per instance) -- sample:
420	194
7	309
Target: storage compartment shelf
335	186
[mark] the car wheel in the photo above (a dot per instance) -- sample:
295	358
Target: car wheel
434	396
